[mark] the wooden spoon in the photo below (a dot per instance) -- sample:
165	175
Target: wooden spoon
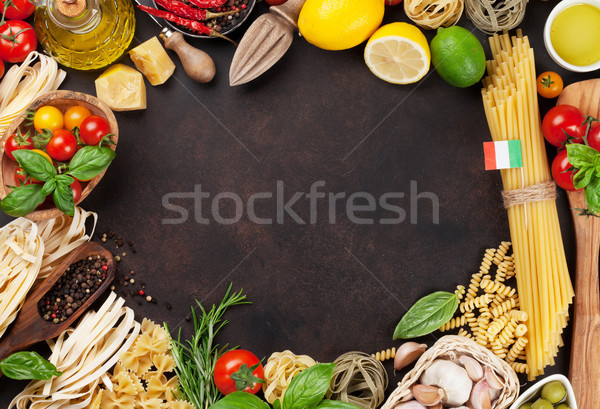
29	327
584	371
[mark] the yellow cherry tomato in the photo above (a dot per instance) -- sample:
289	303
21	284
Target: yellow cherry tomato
549	84
41	152
75	116
48	117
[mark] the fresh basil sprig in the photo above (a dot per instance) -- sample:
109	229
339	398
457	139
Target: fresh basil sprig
87	163
427	315
306	391
28	365
587	162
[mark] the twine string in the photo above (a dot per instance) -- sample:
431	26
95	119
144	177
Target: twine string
533	193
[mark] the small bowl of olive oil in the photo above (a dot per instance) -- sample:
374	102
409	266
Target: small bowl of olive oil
572	34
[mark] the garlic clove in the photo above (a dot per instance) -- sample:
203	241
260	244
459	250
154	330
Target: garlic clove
407	397
408	353
438	406
411	404
428	395
473	367
494	381
452	378
480	396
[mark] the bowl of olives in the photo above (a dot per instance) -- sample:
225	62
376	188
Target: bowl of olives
553	392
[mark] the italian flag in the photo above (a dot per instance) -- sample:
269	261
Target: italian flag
503	154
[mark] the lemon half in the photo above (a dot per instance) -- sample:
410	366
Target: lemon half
398	53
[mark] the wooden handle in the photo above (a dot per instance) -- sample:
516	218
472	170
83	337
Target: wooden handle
289	11
584	368
197	64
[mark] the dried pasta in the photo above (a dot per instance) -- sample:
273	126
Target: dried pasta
280	369
21	253
23	83
511	106
434	13
83	355
385	354
358	379
491	17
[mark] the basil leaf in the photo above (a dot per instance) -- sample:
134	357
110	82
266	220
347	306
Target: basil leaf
581	155
592	196
277	404
28	365
240	400
427	315
49	187
583	177
64	179
63	199
22	200
35	164
308	388
335	404
90	161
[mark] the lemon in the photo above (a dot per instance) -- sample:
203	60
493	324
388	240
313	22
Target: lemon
339	24
398	53
458	56
122	88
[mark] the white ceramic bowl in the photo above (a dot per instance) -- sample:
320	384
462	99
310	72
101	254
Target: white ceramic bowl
534	392
550	48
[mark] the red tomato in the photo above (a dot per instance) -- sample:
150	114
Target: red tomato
17	142
1	69
275	2
17	40
565	118
594	136
17	9
562	176
62	145
93	129
22	178
230	363
76	187
392	2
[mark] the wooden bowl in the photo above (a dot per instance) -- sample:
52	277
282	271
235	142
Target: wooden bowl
62	100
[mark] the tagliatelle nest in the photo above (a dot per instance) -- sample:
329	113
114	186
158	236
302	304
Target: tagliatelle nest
434	13
451	347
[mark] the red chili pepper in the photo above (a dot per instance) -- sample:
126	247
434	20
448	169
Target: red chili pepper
183	10
192	25
208	4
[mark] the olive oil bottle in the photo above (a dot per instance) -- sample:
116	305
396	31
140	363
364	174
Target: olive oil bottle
85	34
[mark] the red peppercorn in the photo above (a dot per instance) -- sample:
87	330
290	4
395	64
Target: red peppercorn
47	302
243	6
105	267
53	315
141	292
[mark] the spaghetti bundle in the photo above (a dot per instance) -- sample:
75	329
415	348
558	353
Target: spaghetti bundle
545	288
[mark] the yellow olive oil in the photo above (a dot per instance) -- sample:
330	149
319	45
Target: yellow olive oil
575	34
91	41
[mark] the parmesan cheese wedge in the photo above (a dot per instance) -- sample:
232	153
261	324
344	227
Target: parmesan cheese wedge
152	60
122	88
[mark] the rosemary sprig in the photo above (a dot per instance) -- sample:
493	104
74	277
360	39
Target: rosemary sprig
196	358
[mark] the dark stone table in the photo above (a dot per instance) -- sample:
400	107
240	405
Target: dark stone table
331	283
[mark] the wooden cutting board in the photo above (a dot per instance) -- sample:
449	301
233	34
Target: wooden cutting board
584	371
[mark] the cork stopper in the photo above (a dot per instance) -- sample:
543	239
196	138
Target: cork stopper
71	8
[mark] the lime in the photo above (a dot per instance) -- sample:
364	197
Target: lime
542	404
458	56
339	24
398	53
554	391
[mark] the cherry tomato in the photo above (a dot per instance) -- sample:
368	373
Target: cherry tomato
392	2
75	116
549	84
230	363
17	9
17	40
275	2
565	118
1	69
560	173
44	154
76	187
22	178
93	129
594	136
17	142
62	145
48	117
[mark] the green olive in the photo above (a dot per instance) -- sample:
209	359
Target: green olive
542	404
554	391
526	405
563	406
